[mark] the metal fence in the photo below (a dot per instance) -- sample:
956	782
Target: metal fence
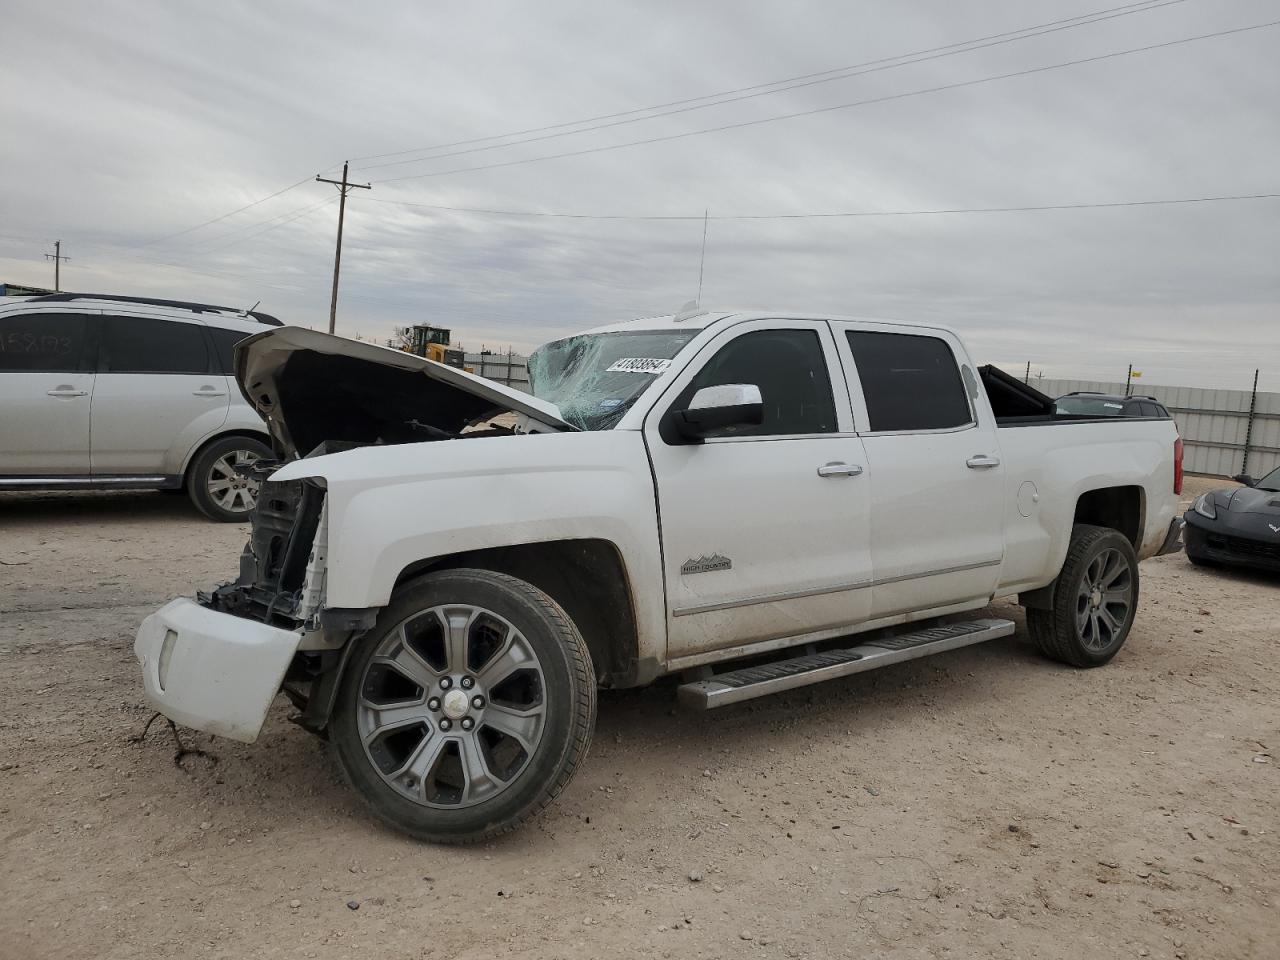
511	369
1225	431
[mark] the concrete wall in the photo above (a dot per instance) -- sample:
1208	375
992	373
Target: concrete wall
1213	423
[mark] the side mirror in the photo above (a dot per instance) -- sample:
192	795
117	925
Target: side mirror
1244	478
715	409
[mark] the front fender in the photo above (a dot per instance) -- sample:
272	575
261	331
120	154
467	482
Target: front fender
393	507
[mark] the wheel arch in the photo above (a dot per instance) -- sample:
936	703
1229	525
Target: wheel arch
1121	508
260	435
587	577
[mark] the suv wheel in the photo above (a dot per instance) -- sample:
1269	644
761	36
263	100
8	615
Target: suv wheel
468	707
1094	600
215	486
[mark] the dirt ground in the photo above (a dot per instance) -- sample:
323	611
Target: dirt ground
982	803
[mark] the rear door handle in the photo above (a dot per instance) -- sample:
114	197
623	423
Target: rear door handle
838	469
66	390
982	462
209	392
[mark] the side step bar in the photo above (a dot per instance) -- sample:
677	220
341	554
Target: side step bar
750	682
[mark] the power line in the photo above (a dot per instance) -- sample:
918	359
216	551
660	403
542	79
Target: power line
837	215
839	106
207	223
789	83
292	215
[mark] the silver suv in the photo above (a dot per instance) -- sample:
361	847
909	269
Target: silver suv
108	392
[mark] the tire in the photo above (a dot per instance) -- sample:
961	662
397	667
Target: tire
529	670
1199	561
1088	625
233	503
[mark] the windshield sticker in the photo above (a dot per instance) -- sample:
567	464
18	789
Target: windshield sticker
651	365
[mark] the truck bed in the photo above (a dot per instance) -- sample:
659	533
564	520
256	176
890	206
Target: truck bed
1017	404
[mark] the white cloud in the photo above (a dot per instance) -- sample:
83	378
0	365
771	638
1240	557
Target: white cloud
127	125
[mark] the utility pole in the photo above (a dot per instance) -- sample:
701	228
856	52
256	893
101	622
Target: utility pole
57	259
344	187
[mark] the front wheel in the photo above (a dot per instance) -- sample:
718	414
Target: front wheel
1095	599
467	708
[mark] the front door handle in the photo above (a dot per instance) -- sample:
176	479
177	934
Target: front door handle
209	392
837	469
66	390
982	462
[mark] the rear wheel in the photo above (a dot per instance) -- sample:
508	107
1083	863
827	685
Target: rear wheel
215	483
468	707
1095	599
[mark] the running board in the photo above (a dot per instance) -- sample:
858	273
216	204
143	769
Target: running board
750	682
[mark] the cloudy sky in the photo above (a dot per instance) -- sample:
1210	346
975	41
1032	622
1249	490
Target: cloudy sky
126	126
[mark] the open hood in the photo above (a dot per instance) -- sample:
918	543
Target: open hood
313	387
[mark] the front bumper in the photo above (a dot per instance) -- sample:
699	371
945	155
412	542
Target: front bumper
213	671
1208	541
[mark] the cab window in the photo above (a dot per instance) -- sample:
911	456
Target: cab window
910	382
789	368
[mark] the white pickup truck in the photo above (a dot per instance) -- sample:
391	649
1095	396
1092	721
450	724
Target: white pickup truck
815	496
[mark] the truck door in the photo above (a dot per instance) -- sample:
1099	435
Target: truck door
764	532
933	466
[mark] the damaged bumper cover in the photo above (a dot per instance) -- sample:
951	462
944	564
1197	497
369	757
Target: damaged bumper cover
213	671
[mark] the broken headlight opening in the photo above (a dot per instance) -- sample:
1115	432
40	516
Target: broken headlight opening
282	567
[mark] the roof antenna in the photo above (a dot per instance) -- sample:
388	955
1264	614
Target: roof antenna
251	309
706	215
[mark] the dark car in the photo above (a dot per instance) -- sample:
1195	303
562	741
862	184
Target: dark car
1084	404
1239	526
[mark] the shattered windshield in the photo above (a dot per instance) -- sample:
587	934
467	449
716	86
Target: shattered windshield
596	377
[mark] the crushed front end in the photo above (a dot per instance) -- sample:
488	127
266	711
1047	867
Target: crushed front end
282	568
217	662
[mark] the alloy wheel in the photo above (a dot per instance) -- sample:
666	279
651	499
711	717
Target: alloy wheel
229	487
1104	600
451	706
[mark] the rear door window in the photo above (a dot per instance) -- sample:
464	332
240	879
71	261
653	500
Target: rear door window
910	382
45	343
153	345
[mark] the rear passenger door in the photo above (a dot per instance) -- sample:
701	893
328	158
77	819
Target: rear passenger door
156	395
933	466
46	382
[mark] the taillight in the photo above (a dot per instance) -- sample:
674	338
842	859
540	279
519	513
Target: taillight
1177	465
